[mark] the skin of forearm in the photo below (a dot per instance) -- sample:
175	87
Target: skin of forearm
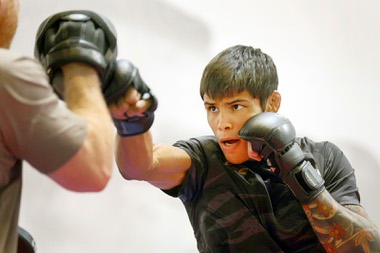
83	96
342	228
134	155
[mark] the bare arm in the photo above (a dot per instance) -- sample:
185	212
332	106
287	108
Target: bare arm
91	167
138	158
342	228
163	166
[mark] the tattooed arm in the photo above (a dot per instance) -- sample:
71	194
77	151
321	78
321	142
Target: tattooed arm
339	228
342	228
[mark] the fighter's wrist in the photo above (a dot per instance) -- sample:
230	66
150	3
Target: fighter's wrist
305	182
135	125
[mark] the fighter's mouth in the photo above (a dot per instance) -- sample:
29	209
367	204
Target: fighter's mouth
229	142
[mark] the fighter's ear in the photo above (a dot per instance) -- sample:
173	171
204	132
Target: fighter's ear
273	102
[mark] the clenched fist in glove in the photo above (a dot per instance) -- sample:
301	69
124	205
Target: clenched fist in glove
273	136
125	90
76	36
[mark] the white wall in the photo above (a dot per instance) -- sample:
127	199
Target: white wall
327	56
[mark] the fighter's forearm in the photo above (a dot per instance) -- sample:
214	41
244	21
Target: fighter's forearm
134	155
342	229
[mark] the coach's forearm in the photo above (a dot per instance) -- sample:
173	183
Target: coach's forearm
342	228
83	96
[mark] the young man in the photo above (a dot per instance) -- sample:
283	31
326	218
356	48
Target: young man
72	143
252	187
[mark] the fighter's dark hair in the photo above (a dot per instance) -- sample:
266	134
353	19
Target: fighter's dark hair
240	68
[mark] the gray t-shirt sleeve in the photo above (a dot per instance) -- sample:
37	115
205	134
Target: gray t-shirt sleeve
36	126
336	170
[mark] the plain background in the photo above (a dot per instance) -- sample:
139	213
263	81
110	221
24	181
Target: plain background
327	55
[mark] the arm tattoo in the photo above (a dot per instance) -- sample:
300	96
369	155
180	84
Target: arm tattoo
342	228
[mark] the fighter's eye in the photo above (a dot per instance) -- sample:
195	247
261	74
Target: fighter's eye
237	106
211	108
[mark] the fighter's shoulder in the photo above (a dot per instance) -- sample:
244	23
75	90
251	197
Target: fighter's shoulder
14	65
205	144
323	154
313	146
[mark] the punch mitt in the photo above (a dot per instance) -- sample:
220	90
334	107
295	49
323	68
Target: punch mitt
76	36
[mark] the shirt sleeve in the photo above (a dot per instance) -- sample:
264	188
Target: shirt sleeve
193	182
340	176
336	170
36	126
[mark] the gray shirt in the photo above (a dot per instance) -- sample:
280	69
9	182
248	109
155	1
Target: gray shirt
35	126
241	208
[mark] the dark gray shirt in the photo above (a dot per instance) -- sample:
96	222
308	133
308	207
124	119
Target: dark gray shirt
247	208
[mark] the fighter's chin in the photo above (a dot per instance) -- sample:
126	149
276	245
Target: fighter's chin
233	159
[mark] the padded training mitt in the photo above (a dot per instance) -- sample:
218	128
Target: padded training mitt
76	36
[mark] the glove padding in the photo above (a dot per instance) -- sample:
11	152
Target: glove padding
76	36
271	133
125	75
273	136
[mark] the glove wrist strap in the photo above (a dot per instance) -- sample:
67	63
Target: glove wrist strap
305	182
134	126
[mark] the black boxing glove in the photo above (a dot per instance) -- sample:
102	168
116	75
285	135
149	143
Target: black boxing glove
125	75
273	136
76	36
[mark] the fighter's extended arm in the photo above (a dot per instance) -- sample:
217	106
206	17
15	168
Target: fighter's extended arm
76	48
339	228
163	166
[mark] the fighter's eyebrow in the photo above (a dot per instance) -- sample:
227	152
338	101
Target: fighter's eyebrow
238	100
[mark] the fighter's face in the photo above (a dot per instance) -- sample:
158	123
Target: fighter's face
9	10
226	117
